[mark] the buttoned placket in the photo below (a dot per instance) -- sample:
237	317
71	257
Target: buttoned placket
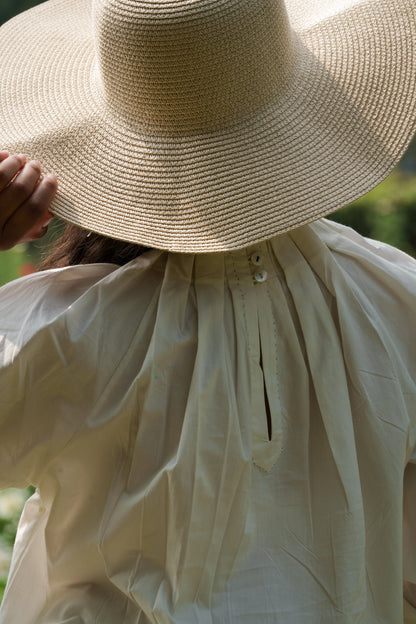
258	277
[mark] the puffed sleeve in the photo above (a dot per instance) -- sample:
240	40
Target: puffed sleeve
39	375
382	281
387	279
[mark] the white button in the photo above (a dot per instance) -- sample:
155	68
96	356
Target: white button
260	276
256	259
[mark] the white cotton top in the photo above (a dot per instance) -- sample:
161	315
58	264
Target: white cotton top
216	438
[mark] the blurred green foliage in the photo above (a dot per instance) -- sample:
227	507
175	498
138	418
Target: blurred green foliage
11	505
9	8
387	213
24	259
10	263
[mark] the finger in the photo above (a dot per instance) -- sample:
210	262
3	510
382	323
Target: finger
9	168
3	155
40	228
19	190
34	235
30	213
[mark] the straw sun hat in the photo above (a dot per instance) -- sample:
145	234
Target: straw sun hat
207	125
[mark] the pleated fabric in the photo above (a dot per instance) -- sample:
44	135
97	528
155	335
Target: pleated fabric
215	438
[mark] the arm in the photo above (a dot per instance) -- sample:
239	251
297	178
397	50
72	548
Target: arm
25	198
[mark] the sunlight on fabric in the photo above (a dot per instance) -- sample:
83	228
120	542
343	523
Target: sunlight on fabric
304	15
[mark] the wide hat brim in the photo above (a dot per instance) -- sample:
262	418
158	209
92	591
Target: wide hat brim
333	133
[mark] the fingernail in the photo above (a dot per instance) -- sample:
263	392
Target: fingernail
48	221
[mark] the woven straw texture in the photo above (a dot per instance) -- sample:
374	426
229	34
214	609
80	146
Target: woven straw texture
208	125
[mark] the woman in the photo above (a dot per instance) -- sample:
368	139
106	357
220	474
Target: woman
214	392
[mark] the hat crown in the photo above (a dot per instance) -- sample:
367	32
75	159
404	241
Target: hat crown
191	66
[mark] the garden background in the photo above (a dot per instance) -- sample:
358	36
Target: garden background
387	213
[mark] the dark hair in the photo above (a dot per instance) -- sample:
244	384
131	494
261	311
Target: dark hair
79	246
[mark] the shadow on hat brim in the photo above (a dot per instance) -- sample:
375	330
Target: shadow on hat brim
333	133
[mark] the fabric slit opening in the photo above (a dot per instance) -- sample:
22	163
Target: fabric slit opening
266	401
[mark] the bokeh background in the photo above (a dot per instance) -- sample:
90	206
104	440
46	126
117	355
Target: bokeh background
387	213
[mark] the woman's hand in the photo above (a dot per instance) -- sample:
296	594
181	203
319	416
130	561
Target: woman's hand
25	197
